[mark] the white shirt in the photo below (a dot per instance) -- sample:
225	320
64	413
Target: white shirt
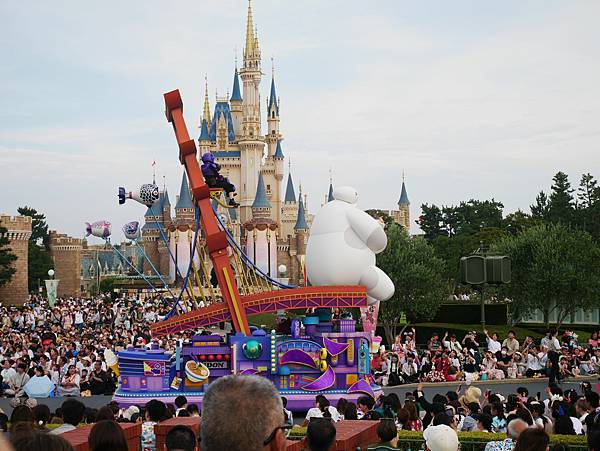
315	412
7	374
577	425
493	345
62	429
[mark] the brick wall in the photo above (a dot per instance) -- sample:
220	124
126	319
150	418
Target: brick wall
66	255
19	232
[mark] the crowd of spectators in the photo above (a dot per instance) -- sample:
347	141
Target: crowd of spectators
64	347
247	412
448	358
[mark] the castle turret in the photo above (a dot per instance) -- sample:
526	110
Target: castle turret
261	235
236	104
184	208
204	139
18	232
301	229
273	136
402	216
66	255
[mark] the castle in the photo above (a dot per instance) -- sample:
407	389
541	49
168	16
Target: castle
271	227
18	232
271	224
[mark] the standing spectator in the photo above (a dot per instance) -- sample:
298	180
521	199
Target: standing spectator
365	405
242	413
320	434
180	438
180	404
98	379
155	412
551	343
441	438
107	435
514	429
532	440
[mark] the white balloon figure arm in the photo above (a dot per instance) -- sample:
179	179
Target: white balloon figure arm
368	229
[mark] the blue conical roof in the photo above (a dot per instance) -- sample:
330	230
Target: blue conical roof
261	201
278	152
204	136
235	95
273	97
301	221
185	199
166	202
290	194
330	194
403	196
153	210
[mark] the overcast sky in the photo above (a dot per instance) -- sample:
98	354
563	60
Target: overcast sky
470	99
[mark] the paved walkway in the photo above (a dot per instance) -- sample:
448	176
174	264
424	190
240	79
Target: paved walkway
504	387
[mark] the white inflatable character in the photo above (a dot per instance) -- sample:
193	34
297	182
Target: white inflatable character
342	245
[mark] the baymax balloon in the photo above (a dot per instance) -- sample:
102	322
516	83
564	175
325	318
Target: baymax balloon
101	229
147	194
132	230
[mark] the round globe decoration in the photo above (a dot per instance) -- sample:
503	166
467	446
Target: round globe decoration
252	349
51	272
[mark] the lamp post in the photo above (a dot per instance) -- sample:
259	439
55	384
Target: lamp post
51	287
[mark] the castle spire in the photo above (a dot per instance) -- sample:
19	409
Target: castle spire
250	38
290	194
260	200
273	95
206	113
235	95
301	220
403	195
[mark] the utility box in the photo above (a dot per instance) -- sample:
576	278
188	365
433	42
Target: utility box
473	270
498	269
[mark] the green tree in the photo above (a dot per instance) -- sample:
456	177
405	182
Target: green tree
6	258
39	226
554	268
516	222
107	285
561	203
385	217
39	261
588	205
418	275
431	221
539	210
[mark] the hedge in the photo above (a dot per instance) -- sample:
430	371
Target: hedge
415	439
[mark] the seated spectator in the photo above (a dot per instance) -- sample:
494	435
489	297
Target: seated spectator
106	413
289	417
322	409
532	440
242	413
40	441
180	404
69	384
72	414
193	410
365	405
107	435
513	430
17	381
155	412
180	438
440	438
350	413
320	434
388	435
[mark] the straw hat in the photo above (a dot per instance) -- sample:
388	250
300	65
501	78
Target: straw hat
472	394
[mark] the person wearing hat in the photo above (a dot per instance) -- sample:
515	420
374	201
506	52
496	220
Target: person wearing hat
440	438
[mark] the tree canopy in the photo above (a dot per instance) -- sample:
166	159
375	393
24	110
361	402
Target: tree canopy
6	258
39	261
418	275
554	268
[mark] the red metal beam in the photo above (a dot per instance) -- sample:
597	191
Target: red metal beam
216	240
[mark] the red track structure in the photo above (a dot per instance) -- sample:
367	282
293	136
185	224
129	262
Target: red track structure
236	308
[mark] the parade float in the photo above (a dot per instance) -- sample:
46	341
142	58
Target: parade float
309	352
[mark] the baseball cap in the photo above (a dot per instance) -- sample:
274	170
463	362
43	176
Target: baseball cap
441	438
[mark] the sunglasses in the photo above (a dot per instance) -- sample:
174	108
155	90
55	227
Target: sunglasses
272	435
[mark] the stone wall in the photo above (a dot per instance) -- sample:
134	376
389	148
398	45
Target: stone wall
19	232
